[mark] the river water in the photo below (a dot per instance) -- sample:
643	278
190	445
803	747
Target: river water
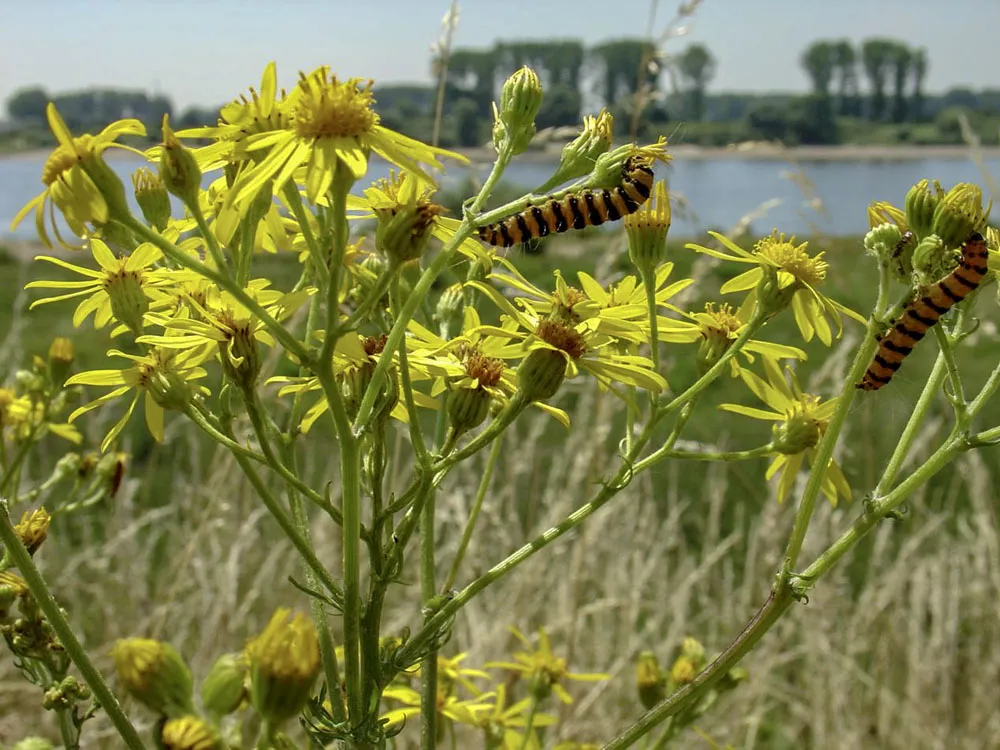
803	198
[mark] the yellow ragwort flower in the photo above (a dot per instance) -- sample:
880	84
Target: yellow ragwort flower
284	664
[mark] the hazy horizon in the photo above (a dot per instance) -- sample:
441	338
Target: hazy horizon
206	54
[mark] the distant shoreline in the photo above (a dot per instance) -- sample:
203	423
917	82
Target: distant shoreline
745	151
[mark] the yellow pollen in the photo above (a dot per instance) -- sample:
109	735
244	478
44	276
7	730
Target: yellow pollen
793	258
724	322
328	108
487	370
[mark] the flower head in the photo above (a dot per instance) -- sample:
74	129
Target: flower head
33	529
800	421
155	675
190	733
545	671
284	663
784	274
74	177
647	229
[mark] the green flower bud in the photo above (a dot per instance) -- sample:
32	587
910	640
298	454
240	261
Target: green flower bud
682	672
225	686
155	675
540	374
450	310
190	733
60	359
894	247
514	122
719	329
168	389
921	203
239	354
650	681
800	431
772	296
152	197
692	649
179	170
12	588
579	155
732	679
468	408
647	231
932	260
402	233
284	663
960	213
128	300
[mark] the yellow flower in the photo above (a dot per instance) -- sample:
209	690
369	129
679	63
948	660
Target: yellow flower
329	123
715	330
284	664
647	229
190	733
451	707
786	273
67	184
504	725
33	529
801	419
122	289
545	671
162	375
155	674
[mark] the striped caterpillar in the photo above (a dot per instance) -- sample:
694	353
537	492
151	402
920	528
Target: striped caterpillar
576	210
921	314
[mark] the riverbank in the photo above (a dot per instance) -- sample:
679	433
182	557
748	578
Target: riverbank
748	151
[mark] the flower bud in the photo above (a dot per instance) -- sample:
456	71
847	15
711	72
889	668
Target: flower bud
540	374
650	680
931	259
959	213
189	733
239	354
894	248
719	329
152	198
179	170
60	359
468	408
284	663
155	675
579	155
683	671
224	688
921	203
450	310
168	389
402	234
800	431
110	186
33	529
692	649
12	587
520	99
772	295
647	231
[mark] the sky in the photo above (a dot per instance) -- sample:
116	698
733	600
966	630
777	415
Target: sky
208	52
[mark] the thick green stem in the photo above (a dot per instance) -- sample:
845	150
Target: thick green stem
824	451
530	721
947	353
470	526
17	553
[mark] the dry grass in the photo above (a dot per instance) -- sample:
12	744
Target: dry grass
899	648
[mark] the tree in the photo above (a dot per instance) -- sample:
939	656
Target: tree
845	60
818	61
621	61
696	66
28	105
918	70
900	60
875	61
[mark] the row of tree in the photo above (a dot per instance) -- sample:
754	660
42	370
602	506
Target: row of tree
578	79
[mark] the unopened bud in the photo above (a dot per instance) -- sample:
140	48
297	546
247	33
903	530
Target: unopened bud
921	203
60	359
152	198
225	687
155	675
179	170
514	121
468	408
959	213
650	681
284	663
540	374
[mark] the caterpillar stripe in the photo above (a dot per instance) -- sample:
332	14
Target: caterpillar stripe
924	312
588	208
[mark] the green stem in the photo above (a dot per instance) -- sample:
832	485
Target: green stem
210	239
61	627
913	427
178	256
294	200
500	423
648	274
824	451
416	434
530	721
759	452
484	484
947	352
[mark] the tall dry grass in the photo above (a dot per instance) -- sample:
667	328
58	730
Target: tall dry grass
899	648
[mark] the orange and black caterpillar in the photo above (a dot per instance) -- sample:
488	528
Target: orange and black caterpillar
576	210
924	312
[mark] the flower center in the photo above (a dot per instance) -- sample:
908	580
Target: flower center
487	370
562	337
723	322
793	258
328	108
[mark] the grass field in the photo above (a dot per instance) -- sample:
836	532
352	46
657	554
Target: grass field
898	648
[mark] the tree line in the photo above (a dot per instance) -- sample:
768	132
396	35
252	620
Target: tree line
624	75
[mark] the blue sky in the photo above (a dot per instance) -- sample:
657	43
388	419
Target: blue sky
207	52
